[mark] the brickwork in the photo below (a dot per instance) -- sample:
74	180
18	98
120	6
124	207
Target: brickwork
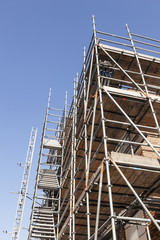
155	234
146	151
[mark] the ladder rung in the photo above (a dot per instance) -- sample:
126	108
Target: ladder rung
42	224
50	155
51	164
43	214
41	228
55	109
43	236
48	181
53	130
48	186
43	217
43	232
41	209
45	176
48	174
55	115
55	122
41	221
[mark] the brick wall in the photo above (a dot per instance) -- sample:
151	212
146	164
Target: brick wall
155	234
147	151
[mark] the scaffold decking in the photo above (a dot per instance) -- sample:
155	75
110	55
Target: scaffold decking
105	167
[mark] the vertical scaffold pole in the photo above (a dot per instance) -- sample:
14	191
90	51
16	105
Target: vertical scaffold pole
104	139
90	75
62	160
85	138
73	168
74	149
99	201
147	227
71	192
148	233
143	79
24	186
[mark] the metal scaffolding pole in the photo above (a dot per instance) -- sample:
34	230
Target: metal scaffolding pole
74	149
99	202
85	137
90	76
148	232
104	140
71	185
62	161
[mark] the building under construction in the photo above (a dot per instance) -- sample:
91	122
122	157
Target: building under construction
98	173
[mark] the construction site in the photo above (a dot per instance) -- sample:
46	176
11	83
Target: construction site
98	172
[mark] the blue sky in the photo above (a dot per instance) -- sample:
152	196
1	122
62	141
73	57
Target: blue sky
41	46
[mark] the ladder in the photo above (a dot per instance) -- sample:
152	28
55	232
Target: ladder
46	196
24	186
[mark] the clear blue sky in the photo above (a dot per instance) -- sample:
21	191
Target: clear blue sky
41	46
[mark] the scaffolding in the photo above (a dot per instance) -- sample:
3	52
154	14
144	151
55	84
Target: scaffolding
24	186
107	185
47	190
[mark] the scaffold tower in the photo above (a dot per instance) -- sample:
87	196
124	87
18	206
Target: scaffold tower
47	192
105	155
24	186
